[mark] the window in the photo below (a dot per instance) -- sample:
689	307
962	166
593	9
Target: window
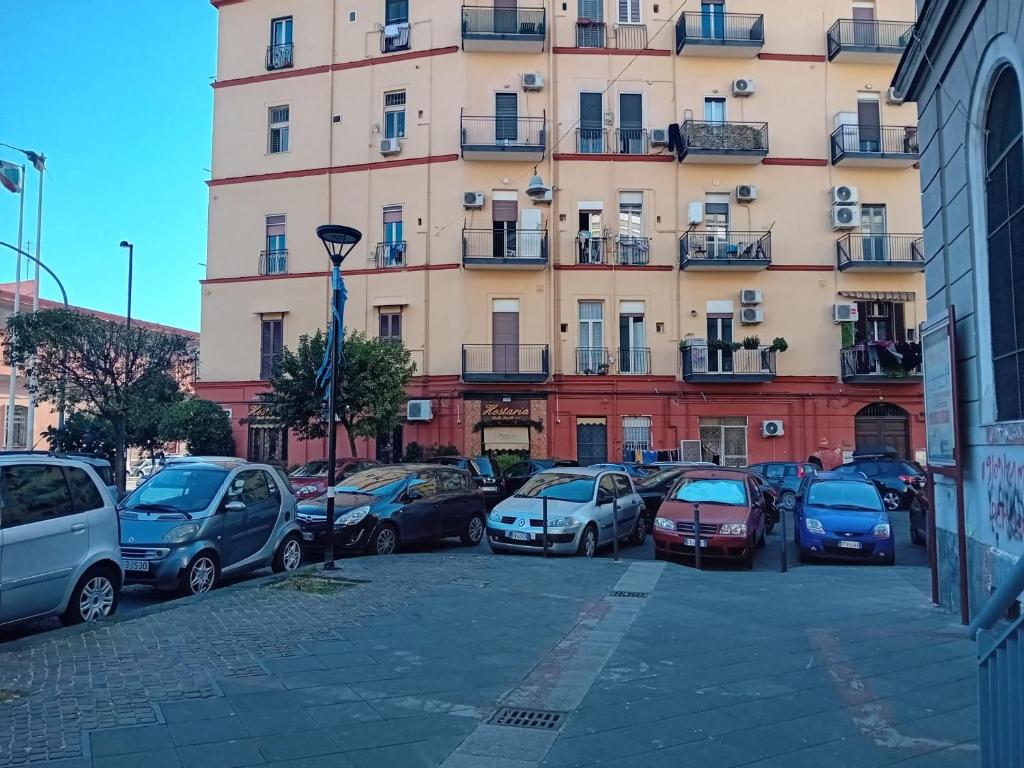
391	252
714	110
506	117
20	427
712	19
591	130
880	321
590	30
268	444
425	483
271	346
504	213
281	31
716	225
636	435
390	326
279	129
873	232
394	115
33	492
724	440
1004	203
606	488
451	482
633	350
275	261
629	11
84	494
249	487
396	11
591	355
631	215
622	486
631	124
720	337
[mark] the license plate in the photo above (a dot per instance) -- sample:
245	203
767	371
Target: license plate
489	489
693	543
136	565
849	544
307	536
519	536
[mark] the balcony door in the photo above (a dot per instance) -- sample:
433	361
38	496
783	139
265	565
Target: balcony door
505	335
281	31
394	245
869	122
277	250
712	19
873	231
714	111
505	17
396	11
631	124
632	337
591	352
530	239
864	25
716	225
591	237
720	354
591	123
506	118
504	213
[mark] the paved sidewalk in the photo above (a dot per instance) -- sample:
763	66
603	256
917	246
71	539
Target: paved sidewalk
831	666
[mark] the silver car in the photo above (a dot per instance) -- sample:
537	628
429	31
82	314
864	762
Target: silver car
59	552
582	504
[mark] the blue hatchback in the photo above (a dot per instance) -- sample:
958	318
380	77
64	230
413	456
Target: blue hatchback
842	517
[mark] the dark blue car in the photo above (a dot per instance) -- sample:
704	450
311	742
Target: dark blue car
839	516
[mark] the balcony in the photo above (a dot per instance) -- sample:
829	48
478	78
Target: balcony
279	57
274	262
635	361
725	143
631	37
503	29
630	141
591	249
593	361
859	252
390	255
592	141
868	40
395	37
633	250
874	363
591	34
505	363
704	363
503	138
875	146
736	35
710	249
504	248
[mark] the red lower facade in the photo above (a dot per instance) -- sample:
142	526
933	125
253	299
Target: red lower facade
595	418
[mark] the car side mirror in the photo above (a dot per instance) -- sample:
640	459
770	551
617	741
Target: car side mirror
413	495
234	506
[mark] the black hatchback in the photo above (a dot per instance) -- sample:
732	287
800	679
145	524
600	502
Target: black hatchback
486	474
897	480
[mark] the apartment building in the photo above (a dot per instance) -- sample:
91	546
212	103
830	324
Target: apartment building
573	212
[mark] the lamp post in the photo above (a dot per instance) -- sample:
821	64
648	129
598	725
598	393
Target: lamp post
131	260
339	242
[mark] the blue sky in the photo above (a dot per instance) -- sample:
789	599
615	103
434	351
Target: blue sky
117	94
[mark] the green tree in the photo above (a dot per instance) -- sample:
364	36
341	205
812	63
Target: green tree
83	433
203	425
371	387
94	366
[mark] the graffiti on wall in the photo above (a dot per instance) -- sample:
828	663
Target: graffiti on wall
1003	479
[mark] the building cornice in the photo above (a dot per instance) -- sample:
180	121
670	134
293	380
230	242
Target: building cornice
325	274
334	169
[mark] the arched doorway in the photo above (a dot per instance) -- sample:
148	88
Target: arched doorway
883	425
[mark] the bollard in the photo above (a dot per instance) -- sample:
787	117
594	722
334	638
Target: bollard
615	528
783	563
696	535
544	506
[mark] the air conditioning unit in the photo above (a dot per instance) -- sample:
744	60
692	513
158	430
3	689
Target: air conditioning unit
772	428
473	199
746	193
532	81
751	316
892	96
419	410
845	217
844	195
751	296
390	146
743	87
659	137
845	313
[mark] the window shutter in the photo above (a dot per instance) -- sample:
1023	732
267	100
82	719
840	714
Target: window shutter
505	210
590	111
393	214
591	9
278	327
899	325
506	105
266	349
630	110
275	226
861	327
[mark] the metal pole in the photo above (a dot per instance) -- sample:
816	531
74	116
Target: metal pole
332	421
13	376
615	527
933	564
31	417
696	536
784	543
131	261
544	507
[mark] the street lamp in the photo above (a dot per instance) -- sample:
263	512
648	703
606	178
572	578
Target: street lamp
131	259
339	242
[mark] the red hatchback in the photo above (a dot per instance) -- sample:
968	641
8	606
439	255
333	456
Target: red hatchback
732	516
310	480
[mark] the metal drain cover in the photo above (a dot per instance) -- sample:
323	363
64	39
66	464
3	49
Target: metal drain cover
528	718
620	593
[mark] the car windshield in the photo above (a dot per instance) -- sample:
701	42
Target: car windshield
657	479
378	481
712	490
311	469
485	467
559	487
842	494
177	489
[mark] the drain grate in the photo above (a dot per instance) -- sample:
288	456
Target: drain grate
621	593
528	718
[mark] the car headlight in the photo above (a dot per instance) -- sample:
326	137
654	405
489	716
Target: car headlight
563	522
306	490
182	533
733	529
495	516
353	517
814	525
664	523
882	531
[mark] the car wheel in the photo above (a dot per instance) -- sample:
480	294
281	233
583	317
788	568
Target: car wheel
588	542
748	562
202	574
94	597
787	501
761	543
385	540
474	532
891	499
769	525
639	531
289	554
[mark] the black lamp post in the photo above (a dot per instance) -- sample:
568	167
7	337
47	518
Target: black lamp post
339	242
131	259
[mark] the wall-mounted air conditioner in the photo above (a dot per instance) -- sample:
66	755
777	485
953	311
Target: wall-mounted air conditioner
845	217
751	296
533	81
743	87
659	137
845	313
473	200
419	410
843	195
746	193
772	428
390	146
751	316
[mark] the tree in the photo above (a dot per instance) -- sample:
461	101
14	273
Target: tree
371	387
94	366
203	425
83	433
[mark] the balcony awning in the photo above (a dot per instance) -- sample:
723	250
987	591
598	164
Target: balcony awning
879	295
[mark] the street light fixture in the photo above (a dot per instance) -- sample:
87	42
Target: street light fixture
339	241
131	259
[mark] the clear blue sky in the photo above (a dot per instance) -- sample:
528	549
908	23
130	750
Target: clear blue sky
117	94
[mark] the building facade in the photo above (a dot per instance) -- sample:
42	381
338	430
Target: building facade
707	173
967	73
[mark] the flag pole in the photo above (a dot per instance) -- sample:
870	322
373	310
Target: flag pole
13	375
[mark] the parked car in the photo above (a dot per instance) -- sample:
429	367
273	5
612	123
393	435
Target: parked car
898	480
843	517
654	488
732	516
382	508
59	551
631	468
194	522
100	465
771	502
517	475
486	474
785	477
310	480
581	512
919	519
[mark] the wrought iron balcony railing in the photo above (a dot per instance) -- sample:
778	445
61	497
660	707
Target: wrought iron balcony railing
719	362
871	361
279	56
631	141
505	24
274	262
718	248
396	36
593	361
505	362
391	255
635	361
631	37
591	34
722	139
511	134
591	249
505	248
633	250
875	143
592	141
861	250
868	35
706	29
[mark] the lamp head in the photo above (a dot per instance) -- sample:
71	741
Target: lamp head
125	244
536	189
339	241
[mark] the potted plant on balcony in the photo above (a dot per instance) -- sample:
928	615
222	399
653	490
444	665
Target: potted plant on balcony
747	358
